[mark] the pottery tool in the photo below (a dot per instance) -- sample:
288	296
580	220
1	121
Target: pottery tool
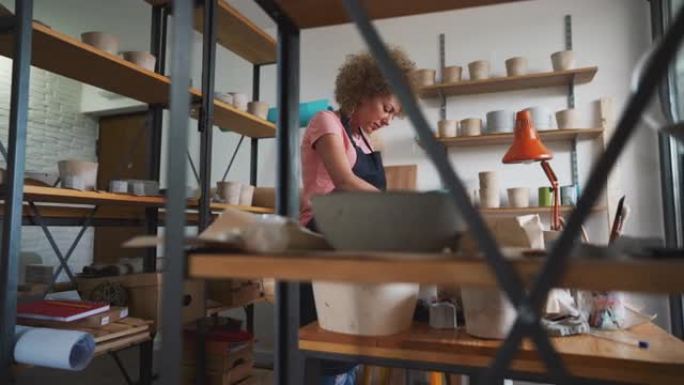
616	221
641	344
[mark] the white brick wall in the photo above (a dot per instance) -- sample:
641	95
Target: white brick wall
57	130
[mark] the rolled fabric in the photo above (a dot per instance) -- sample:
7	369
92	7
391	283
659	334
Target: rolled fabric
53	348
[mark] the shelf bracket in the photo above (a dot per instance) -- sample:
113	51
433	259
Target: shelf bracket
442	64
571	104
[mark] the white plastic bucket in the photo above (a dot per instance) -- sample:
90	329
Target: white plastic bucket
365	309
488	313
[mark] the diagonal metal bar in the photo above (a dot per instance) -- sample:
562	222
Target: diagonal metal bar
84	226
655	70
122	368
504	353
232	159
192	166
41	222
503	270
3	151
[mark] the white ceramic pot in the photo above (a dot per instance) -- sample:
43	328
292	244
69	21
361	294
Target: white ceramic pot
519	197
229	192
488	179
489	198
423	77
225	97
500	121
246	195
568	195
141	58
478	70
542	117
471	127
452	74
563	60
447	128
488	313
118	186
567	118
516	66
365	309
101	40
78	174
259	109
240	100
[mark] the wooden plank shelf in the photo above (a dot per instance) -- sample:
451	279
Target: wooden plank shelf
586	273
66	56
560	135
511	83
236	33
584	355
320	13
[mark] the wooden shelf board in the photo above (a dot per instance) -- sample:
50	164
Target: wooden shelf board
236	33
584	356
507	138
511	83
64	55
531	210
586	273
319	13
251	209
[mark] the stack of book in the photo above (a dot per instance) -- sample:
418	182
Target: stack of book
62	314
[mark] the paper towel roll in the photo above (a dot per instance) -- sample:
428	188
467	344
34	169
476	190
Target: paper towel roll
52	348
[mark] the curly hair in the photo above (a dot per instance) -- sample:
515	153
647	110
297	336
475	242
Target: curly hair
360	77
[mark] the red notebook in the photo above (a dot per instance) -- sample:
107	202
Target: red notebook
64	311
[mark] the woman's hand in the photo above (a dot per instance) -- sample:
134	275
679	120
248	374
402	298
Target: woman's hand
331	150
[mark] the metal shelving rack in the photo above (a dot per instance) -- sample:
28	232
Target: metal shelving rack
26	43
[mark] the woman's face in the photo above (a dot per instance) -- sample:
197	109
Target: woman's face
375	113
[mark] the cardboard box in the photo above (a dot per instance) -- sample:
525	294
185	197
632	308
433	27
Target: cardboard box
144	295
234	292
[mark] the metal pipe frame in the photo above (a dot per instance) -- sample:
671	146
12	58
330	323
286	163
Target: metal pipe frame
254	148
172	289
206	117
11	226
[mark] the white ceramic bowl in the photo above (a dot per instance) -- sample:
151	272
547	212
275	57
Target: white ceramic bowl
101	40
390	221
141	58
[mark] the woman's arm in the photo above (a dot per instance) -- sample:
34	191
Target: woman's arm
331	150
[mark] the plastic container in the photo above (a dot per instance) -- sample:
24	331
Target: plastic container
306	111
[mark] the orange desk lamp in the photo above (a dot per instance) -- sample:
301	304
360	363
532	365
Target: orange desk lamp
526	148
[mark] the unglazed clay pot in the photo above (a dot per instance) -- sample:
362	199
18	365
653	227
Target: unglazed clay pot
519	197
478	70
452	74
447	128
489	198
563	60
567	118
423	77
101	40
488	313
229	192
516	66
471	127
141	58
78	174
259	109
240	100
225	97
246	195
488	180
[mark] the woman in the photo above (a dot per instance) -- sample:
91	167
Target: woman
337	155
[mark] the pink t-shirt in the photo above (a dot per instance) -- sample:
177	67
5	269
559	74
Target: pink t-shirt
316	179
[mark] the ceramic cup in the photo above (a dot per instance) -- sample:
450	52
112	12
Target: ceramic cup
541	117
101	40
240	100
519	197
488	180
225	97
516	66
246	195
471	127
545	197
85	173
74	182
569	195
259	109
563	60
478	70
447	128
452	74
567	118
500	121
141	58
423	77
229	192
489	198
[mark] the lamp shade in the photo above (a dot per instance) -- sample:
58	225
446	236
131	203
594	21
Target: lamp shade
527	146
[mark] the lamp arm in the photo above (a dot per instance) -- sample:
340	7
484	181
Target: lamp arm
555	217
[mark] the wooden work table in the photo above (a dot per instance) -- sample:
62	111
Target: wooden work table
584	356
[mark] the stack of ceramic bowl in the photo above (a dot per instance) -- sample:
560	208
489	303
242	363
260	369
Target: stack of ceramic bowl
489	190
563	60
259	109
542	118
235	193
471	127
236	99
478	70
500	121
423	77
447	128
